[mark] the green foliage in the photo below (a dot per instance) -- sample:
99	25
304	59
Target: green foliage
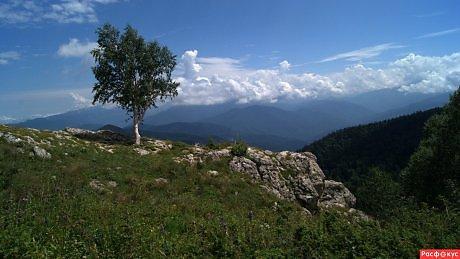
131	72
212	144
354	151
239	148
432	175
378	194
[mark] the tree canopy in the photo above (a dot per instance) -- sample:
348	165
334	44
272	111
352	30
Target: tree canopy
132	73
432	175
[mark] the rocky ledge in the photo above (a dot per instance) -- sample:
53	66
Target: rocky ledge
289	175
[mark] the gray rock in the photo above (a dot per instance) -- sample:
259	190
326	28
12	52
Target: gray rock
41	153
10	138
190	159
30	140
141	151
335	194
98	186
293	176
161	181
101	135
213	173
112	184
244	165
76	131
218	154
160	145
198	154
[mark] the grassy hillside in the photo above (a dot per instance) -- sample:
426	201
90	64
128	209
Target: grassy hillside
100	200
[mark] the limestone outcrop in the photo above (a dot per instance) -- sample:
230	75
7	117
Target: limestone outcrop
289	175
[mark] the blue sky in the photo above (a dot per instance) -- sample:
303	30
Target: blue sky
244	51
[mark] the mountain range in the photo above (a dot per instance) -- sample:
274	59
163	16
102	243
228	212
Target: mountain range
278	126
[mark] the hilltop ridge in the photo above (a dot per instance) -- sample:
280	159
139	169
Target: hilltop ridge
92	194
289	175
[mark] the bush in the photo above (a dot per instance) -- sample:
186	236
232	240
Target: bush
239	148
212	144
378	194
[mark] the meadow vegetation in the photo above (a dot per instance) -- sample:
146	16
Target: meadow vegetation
51	208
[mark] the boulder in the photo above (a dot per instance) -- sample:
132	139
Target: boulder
335	194
112	184
160	182
213	173
160	145
141	151
41	153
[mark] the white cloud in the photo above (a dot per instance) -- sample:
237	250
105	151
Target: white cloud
76	49
7	119
72	11
6	57
189	63
221	80
62	11
284	65
364	53
80	101
219	66
439	33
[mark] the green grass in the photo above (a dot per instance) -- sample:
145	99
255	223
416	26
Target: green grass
48	209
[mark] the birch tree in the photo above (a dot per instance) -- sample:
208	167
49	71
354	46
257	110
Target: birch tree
132	73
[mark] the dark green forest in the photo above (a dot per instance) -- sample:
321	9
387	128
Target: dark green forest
398	165
348	154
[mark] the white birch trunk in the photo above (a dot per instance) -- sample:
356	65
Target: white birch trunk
136	135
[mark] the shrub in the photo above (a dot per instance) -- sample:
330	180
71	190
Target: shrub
239	148
212	144
378	194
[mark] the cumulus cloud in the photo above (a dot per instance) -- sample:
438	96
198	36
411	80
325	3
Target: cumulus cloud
364	53
189	62
6	57
220	80
75	48
284	65
439	33
63	11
